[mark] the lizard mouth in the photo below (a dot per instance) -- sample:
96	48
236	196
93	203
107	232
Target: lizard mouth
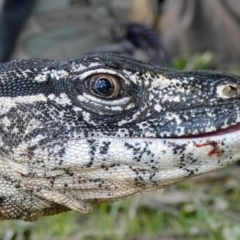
227	130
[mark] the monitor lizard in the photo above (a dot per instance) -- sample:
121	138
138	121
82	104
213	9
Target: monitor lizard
103	127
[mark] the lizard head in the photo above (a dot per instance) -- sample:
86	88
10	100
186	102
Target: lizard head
104	127
122	97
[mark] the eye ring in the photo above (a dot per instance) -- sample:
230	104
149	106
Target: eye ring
104	86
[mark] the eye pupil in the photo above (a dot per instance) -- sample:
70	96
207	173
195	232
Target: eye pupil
103	86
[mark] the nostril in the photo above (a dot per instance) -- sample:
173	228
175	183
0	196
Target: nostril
227	91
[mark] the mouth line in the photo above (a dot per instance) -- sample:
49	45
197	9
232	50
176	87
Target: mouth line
219	132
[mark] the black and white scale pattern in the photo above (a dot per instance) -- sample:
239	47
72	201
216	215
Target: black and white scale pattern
64	146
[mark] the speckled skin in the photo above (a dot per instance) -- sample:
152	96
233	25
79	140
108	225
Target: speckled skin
65	147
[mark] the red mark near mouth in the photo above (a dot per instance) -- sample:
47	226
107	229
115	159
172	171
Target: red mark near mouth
215	148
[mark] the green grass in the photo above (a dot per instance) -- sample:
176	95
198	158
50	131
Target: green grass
198	61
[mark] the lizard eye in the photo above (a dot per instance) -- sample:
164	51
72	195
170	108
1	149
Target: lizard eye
104	85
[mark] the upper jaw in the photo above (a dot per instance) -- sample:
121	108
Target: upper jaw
224	132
